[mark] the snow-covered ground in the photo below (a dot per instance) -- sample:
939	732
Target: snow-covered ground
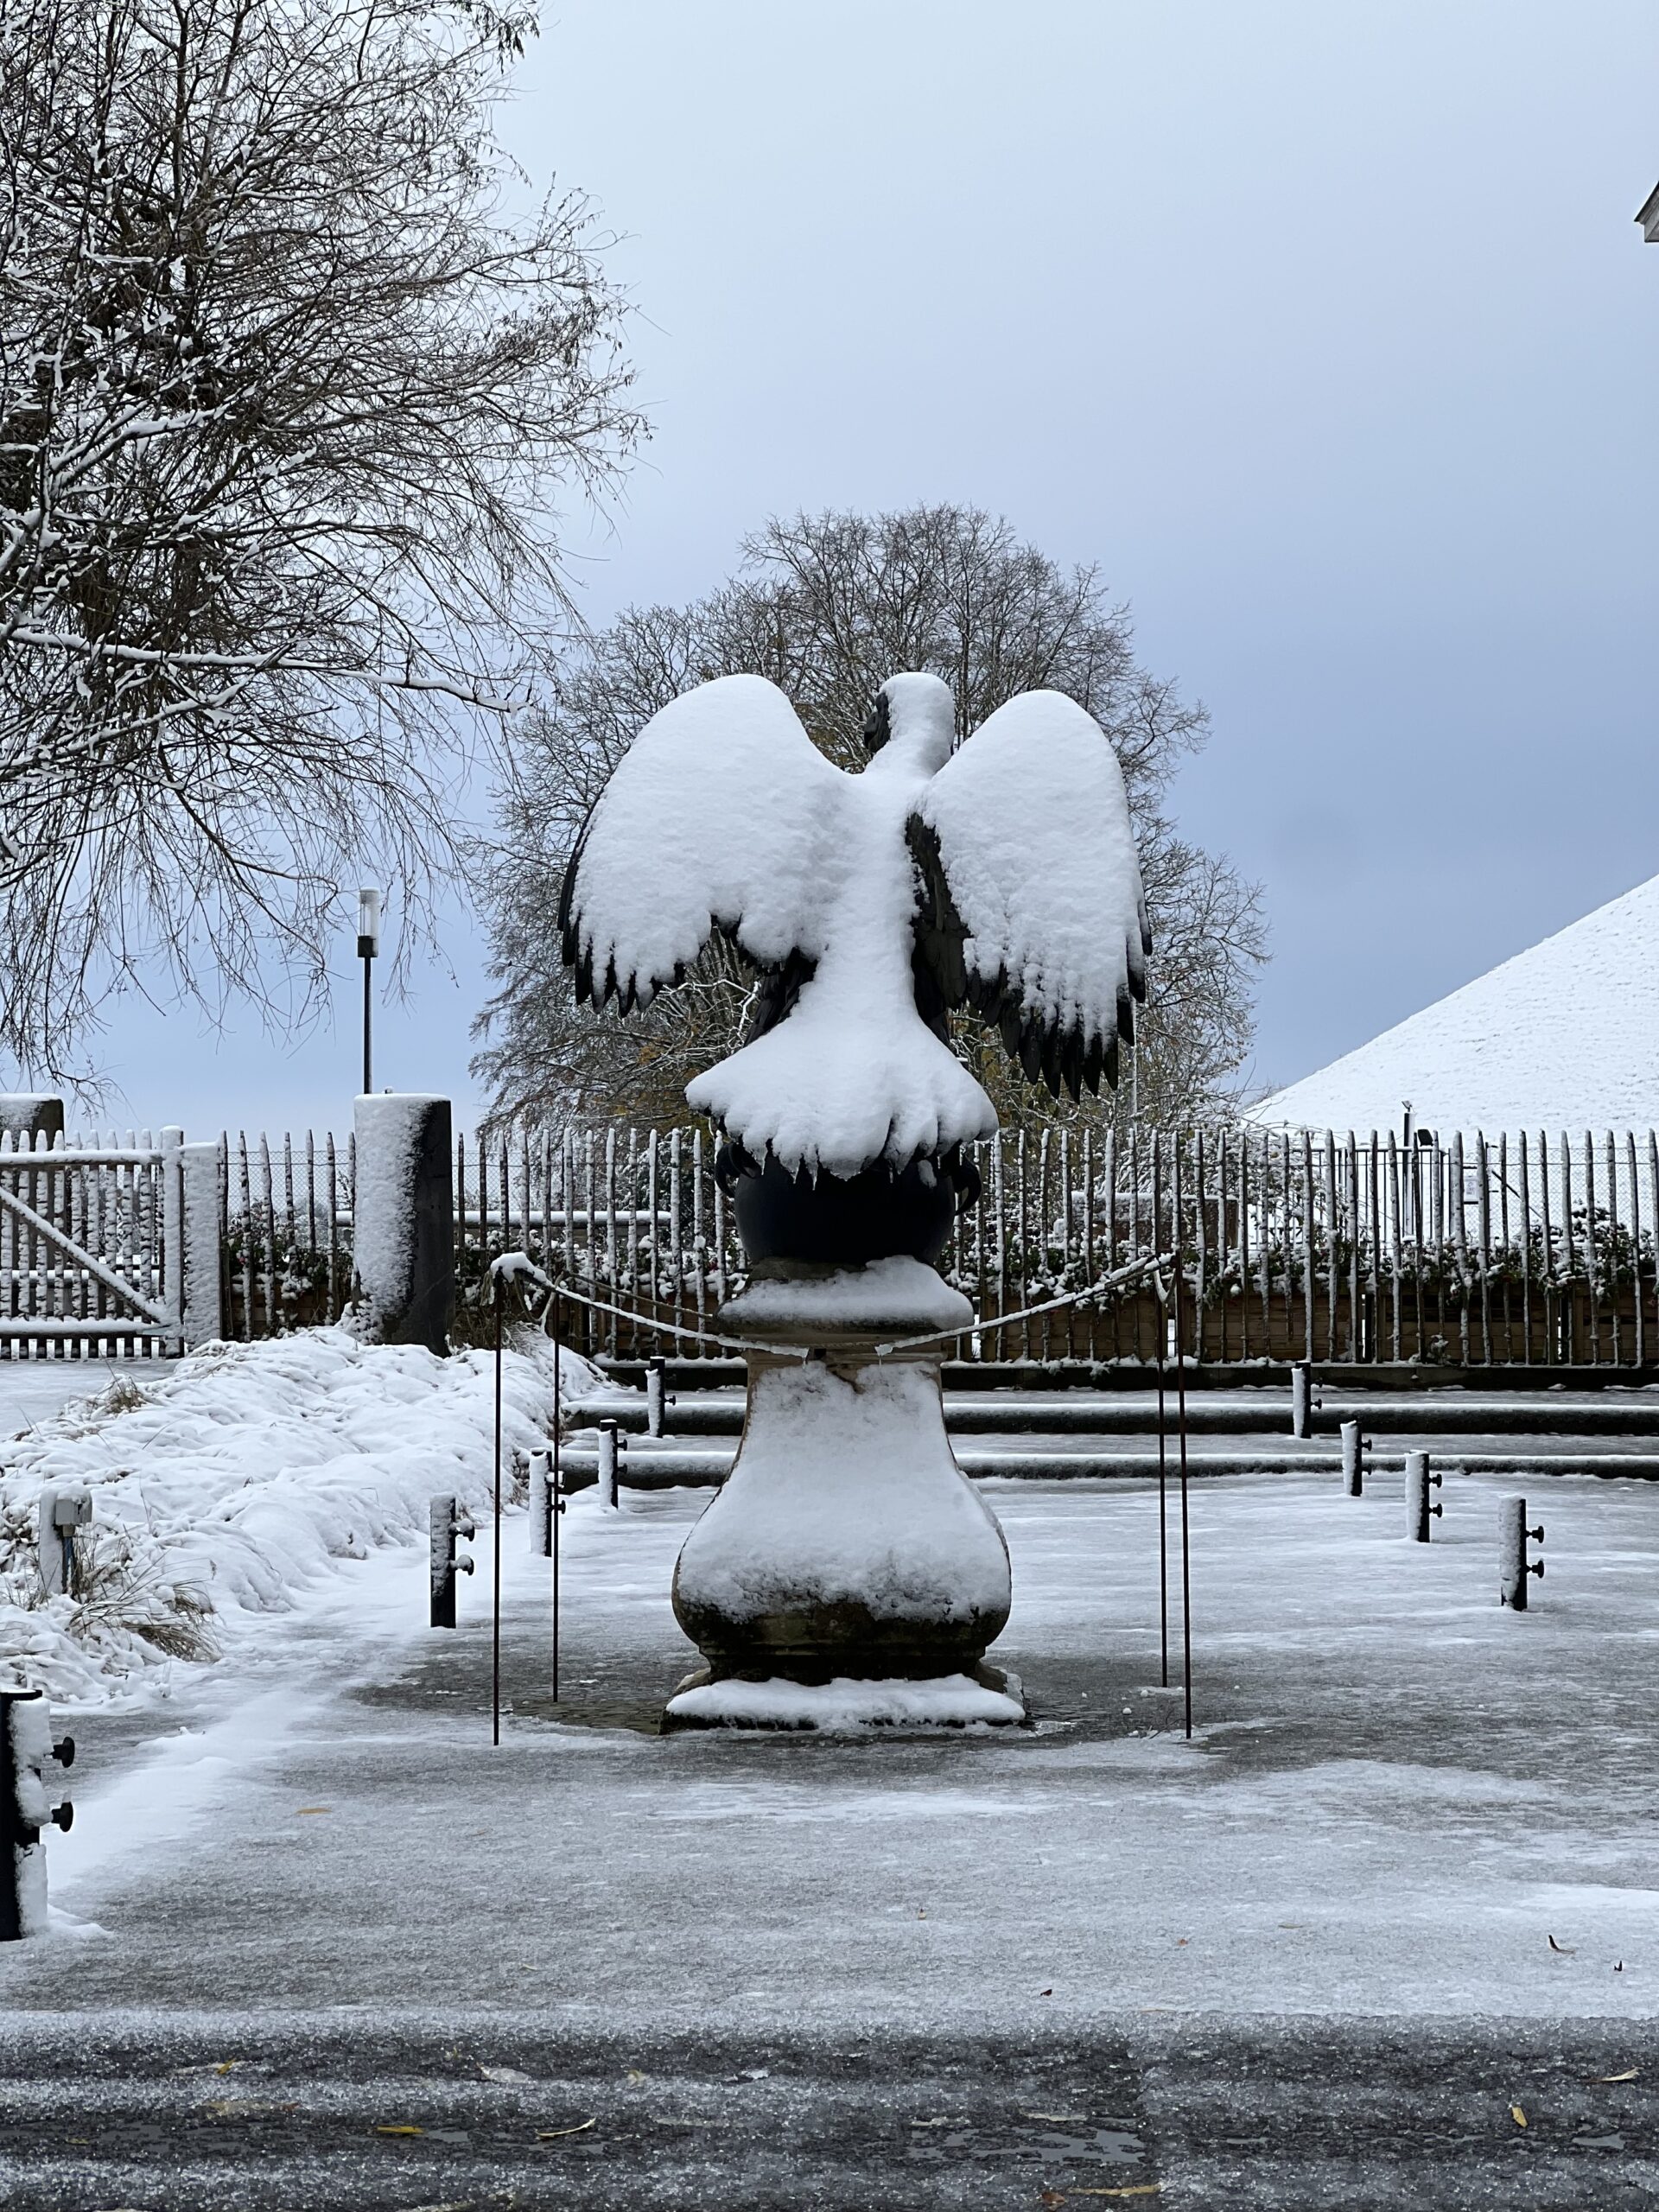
1400	1798
32	1390
227	1484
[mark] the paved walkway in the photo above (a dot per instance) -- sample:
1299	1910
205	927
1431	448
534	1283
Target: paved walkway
1403	1881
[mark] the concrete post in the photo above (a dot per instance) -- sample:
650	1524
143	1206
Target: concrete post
32	1122
1418	1508
202	1208
403	1216
27	1115
173	1234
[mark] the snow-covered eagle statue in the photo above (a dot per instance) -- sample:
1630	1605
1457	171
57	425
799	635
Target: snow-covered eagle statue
1002	877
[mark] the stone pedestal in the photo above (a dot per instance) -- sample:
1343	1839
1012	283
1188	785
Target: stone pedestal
848	1571
403	1223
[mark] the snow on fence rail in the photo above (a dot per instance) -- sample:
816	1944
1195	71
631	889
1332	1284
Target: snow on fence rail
1297	1246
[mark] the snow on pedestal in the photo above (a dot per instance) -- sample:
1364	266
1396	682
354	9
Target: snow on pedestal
847	1547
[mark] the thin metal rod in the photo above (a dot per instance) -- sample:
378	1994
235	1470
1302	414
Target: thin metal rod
495	1623
1163	1498
1186	1567
368	1065
558	1503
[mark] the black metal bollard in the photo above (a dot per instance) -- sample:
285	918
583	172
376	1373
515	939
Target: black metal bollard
26	1744
610	1463
1304	1399
1418	1508
657	1398
1513	1564
1354	1448
541	1504
448	1521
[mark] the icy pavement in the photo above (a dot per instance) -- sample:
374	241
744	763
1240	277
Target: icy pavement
1406	1878
1398	1792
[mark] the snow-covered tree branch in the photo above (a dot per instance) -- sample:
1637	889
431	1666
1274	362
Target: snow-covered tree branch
828	606
288	403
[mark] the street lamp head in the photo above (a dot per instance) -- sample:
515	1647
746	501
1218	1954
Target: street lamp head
368	924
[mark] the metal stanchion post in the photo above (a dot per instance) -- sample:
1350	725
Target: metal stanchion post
1419	1512
556	1316
1513	1564
495	1591
541	1504
447	1521
609	1455
1354	1448
657	1398
1163	1491
1301	1399
26	1744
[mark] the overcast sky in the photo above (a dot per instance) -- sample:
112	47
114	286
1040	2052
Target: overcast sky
1327	332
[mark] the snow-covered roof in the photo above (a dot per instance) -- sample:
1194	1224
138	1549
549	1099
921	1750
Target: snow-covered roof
1565	1036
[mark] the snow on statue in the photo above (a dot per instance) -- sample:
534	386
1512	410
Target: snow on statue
1002	878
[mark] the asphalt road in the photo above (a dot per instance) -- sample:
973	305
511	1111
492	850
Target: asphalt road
321	2114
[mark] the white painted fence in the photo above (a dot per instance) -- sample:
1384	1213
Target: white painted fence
109	1247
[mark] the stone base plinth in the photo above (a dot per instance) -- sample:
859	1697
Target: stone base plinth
847	1556
988	1698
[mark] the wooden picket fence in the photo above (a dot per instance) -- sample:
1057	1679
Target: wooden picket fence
1535	1251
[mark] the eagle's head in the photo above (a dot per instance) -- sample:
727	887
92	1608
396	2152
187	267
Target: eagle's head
913	723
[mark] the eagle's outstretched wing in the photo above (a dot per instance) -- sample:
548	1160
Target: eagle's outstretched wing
1032	912
718	815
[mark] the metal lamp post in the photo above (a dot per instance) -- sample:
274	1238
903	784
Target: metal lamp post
368	944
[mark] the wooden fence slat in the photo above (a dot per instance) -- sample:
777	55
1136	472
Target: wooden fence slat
1615	1291
1639	1346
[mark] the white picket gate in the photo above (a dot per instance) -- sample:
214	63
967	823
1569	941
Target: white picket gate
109	1248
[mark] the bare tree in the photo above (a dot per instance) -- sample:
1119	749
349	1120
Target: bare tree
287	400
828	606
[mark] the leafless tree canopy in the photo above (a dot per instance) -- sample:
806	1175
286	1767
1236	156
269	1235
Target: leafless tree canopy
828	606
287	401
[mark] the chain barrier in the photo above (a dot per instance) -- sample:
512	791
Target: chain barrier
520	1268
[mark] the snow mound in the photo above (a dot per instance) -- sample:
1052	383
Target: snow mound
240	1477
